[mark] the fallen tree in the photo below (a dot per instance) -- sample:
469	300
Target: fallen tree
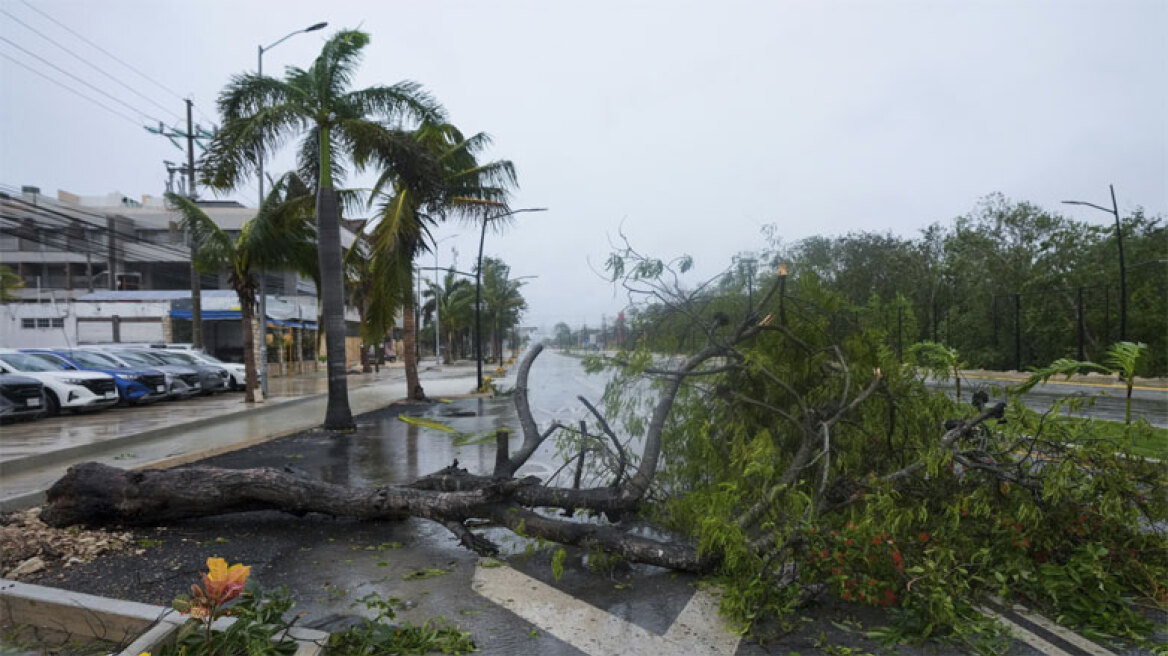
790	452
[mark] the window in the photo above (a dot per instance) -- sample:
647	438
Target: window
42	323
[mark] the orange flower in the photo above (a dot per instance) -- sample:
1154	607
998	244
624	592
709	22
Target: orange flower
224	583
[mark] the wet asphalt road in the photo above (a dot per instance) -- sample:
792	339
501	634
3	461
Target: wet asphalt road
1098	401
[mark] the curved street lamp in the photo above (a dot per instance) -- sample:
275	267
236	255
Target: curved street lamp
479	286
1122	270
263	354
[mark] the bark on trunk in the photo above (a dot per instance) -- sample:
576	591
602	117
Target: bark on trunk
337	416
410	346
247	315
94	494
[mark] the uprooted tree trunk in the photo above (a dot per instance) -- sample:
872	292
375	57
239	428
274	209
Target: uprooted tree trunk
95	494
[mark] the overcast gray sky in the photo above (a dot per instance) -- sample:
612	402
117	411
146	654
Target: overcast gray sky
692	124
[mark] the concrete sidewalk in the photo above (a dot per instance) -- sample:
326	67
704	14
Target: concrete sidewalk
34	455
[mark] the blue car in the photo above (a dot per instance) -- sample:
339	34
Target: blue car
136	386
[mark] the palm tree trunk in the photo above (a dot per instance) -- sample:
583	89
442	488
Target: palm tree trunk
410	346
247	314
337	416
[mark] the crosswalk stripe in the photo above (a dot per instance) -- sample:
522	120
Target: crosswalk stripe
1022	634
1060	631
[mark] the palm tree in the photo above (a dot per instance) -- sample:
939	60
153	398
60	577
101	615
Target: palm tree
408	208
9	283
260	113
453	301
281	236
502	300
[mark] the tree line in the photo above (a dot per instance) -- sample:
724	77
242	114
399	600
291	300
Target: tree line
1009	285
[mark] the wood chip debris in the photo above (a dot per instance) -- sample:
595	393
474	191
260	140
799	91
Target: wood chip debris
29	546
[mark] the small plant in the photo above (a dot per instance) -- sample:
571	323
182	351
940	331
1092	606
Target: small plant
1122	359
226	591
376	637
558	563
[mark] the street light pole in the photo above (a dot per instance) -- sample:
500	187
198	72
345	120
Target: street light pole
479	287
1122	269
437	303
263	354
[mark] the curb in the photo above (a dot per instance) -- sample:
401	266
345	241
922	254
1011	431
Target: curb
74	454
67	454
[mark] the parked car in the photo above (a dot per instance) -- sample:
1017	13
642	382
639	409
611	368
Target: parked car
213	378
216	378
66	387
21	397
136	385
181	382
236	371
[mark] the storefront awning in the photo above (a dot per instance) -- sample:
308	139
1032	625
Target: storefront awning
234	315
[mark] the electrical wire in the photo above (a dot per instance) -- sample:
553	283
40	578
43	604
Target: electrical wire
87	62
118	60
82	81
103	50
135	122
45	213
136	249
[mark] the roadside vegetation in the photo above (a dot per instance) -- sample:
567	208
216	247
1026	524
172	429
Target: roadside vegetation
810	458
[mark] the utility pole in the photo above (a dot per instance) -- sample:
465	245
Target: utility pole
196	283
1082	326
193	134
1017	332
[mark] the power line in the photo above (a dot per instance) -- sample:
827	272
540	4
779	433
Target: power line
86	61
70	89
116	58
46	213
103	50
83	216
180	254
58	68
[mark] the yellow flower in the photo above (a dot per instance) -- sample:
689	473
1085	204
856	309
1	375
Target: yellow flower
145	653
225	583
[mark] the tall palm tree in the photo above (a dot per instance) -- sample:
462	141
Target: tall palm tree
453	301
409	208
261	113
280	236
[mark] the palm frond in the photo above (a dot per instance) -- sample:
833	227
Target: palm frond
214	248
334	68
1061	367
393	104
232	154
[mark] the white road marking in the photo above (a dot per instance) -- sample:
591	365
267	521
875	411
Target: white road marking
1022	634
698	630
1060	631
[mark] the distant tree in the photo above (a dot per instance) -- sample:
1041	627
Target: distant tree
453	303
563	333
503	302
9	283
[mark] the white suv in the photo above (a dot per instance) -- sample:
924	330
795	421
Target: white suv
65	387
